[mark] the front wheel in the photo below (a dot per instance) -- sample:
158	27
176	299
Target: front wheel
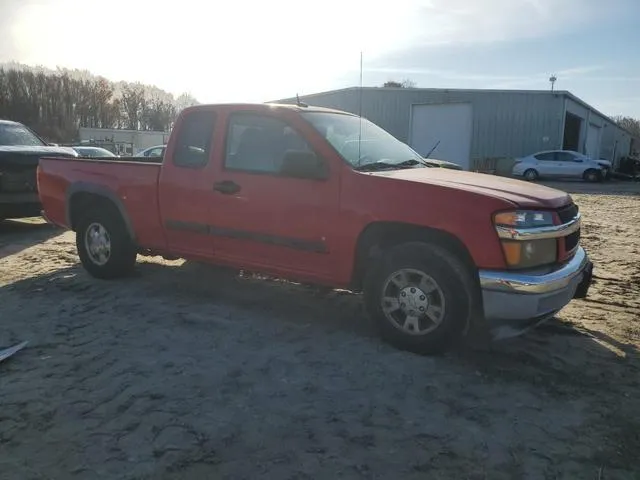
104	245
420	296
592	175
531	175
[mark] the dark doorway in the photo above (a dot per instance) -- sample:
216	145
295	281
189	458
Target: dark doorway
572	127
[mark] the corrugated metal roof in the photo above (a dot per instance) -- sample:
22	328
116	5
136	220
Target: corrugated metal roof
565	93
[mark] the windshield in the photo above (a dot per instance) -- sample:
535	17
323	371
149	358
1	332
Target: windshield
93	152
375	145
12	134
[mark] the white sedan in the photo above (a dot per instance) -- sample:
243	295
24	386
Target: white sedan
561	164
156	151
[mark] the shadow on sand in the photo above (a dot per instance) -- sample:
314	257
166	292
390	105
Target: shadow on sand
16	235
558	358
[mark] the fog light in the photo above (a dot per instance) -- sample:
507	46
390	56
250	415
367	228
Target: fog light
529	254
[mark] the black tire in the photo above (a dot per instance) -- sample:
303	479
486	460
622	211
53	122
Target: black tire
592	175
531	175
122	252
455	284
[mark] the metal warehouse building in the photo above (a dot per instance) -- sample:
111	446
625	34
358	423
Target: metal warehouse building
472	126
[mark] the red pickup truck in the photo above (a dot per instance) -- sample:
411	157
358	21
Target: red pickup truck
325	197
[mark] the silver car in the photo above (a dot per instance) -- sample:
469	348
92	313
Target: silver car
156	151
560	164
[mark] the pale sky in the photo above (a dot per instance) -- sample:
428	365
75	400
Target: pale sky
253	50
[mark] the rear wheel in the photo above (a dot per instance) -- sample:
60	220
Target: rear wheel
531	175
592	175
104	245
420	297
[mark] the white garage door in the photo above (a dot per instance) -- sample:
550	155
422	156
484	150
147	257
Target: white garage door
593	141
450	124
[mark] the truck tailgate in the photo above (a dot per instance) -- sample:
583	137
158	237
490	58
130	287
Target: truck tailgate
132	185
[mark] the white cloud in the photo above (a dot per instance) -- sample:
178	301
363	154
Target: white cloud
256	50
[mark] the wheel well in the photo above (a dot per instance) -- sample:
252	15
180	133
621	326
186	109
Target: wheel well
83	202
379	236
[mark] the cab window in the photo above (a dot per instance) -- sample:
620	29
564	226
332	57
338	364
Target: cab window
258	143
193	143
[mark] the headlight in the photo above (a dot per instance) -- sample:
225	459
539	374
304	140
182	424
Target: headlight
523	219
527	253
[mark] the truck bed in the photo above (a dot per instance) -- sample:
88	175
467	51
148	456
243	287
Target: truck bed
130	182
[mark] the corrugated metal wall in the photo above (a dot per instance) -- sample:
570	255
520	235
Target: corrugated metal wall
616	143
505	124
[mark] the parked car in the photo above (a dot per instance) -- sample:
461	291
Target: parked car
561	164
20	150
157	151
93	152
281	189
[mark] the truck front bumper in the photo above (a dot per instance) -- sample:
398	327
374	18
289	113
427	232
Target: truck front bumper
19	205
514	302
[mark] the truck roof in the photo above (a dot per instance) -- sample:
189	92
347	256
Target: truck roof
269	106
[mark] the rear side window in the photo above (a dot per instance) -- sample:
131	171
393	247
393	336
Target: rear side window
565	157
193	144
546	156
155	152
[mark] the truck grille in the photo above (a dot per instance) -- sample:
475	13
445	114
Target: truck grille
571	241
568	213
18	182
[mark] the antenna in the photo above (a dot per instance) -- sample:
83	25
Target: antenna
299	103
360	112
553	79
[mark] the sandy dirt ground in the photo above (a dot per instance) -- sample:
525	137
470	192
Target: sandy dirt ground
185	371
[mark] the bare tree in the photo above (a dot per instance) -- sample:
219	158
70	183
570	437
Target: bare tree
628	123
406	83
55	103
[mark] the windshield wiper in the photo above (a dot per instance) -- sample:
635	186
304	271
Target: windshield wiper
412	162
375	166
381	165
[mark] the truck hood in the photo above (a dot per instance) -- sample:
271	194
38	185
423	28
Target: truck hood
518	192
604	163
21	156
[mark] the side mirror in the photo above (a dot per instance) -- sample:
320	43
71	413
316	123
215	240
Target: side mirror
303	164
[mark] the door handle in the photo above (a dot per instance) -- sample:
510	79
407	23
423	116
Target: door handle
227	187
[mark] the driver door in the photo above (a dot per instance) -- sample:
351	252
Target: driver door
569	164
262	218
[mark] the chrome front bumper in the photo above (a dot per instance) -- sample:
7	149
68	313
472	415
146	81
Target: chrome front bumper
516	301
